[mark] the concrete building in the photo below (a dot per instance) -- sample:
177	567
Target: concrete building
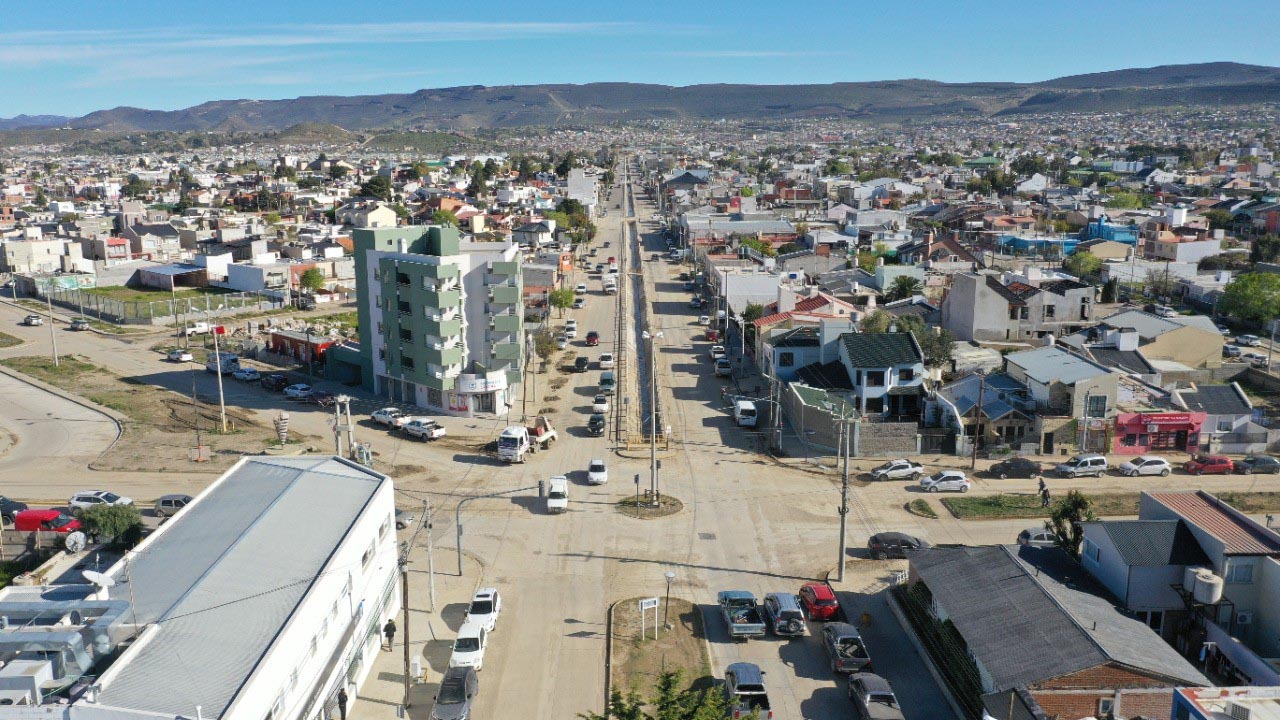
1015	307
262	598
441	320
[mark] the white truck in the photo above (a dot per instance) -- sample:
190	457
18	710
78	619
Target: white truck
222	363
744	413
558	494
197	328
518	440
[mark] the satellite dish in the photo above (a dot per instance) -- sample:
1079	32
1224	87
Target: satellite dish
98	578
76	542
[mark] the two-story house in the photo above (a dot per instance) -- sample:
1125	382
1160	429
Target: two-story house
886	372
1066	386
1015	307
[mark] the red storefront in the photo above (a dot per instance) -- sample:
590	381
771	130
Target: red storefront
1139	433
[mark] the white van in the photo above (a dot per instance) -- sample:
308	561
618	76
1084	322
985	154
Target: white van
558	494
744	412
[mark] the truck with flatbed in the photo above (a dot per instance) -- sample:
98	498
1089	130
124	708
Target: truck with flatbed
518	440
741	614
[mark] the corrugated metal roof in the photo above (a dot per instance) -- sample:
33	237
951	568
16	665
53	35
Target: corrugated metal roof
1207	513
1154	543
224	577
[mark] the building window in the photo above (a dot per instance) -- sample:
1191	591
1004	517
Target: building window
875	378
1097	406
1224	426
406	362
906	375
1104	706
386	525
435	398
1240	574
857	377
1092	551
368	556
1153	618
1129	440
786	359
875	405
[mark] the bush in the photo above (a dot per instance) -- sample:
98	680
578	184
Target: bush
119	523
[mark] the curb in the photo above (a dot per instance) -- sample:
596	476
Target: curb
608	654
928	661
116	418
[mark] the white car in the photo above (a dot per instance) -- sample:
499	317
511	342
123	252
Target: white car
558	494
716	352
247	375
389	416
1249	341
597	472
468	648
424	429
562	341
180	356
606	361
581	289
946	481
486	605
32	320
92	498
1146	465
704	319
600	404
301	391
571	331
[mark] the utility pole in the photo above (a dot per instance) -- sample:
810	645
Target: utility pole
404	607
431	558
1084	437
217	360
844	492
350	426
53	335
1271	345
977	423
337	429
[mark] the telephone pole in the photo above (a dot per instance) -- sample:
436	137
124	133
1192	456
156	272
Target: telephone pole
844	493
404	606
53	335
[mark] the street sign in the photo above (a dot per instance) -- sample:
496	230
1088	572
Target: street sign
649	604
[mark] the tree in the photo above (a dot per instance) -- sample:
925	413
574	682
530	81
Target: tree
936	346
561	299
272	218
1028	165
41	201
790	247
836	166
1253	297
667	702
1111	291
136	187
747	191
1218	219
1083	264
1264	249
571	207
444	217
566	164
544	343
1160	282
378	186
1065	518
1237	261
337	172
903	286
121	523
311	279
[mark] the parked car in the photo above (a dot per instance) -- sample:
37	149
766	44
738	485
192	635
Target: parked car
600	404
469	646
571	331
1079	465
48	520
695	302
593	338
1231	351
274	382
245	374
581	364
1016	467
180	356
557	494
597	472
1258	464
389	417
873	698
783	615
79	324
704	320
893	545
92	498
9	509
596	424
458	688
845	648
744	690
33	321
300	391
404	518
169	505
580	289
1209	465
723	368
900	469
716	352
486	605
1037	537
424	429
562	341
1249	341
579	303
741	614
946	481
1145	465
818	601
606	361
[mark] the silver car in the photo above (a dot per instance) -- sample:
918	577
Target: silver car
458	690
782	612
1145	465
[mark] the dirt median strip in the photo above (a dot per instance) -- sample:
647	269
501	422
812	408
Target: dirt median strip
1029	505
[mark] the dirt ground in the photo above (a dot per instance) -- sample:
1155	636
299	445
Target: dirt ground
638	663
161	426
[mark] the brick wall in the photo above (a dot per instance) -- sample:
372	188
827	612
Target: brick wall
1107	676
875	439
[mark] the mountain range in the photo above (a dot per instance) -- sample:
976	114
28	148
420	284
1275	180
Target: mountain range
1204	84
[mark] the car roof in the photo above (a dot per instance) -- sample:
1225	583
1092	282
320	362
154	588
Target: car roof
893	535
457	674
820	589
746	672
596	460
484	593
174	496
471	628
872	682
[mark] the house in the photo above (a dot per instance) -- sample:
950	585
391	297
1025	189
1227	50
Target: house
1255	703
535	235
1105	249
944	254
303	347
154	241
887	373
787	347
1007	414
367	214
1229	425
1043	638
1179	343
1016	307
1066	386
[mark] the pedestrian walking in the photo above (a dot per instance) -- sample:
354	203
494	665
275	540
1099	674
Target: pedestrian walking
389	631
342	703
1043	487
1044	498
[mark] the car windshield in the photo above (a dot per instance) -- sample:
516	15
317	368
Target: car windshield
59	521
452	691
481	607
557	495
884	698
596	468
467	644
508	442
826	602
110	497
790	615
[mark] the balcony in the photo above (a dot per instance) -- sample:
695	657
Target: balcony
440	272
442	298
507	323
498	267
508	351
442	356
505	295
443	327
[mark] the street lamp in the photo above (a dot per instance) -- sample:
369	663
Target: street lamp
666	608
653	411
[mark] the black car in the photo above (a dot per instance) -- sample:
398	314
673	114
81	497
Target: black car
1255	464
596	424
893	545
9	509
323	398
580	364
1018	467
275	381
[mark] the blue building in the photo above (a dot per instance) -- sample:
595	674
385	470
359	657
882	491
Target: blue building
1049	247
1103	229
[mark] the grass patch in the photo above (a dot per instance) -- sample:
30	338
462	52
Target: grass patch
128	294
921	507
349	318
7	340
995	507
639	662
642	509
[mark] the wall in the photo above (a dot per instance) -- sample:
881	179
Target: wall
1266	621
877	439
1110	568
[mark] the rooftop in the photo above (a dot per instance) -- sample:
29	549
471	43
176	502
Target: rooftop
1239	535
1154	543
881	350
1262	703
1054	364
1216	400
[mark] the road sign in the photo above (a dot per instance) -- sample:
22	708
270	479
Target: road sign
649	604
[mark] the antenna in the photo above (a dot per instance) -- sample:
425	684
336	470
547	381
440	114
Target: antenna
99	579
75	542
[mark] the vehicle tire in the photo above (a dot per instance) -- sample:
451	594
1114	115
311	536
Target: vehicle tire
1248	471
1198	473
835	667
1004	476
1098	474
964	488
1164	473
933	489
915	477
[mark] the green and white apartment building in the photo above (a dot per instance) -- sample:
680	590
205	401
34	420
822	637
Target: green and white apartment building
441	319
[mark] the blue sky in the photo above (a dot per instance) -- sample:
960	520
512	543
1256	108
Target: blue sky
72	58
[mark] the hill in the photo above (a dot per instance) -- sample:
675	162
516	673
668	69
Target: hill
598	103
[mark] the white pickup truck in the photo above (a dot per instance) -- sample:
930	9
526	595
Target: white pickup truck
197	328
900	469
423	429
518	440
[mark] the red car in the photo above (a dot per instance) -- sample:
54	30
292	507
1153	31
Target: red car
593	338
45	520
818	602
1210	465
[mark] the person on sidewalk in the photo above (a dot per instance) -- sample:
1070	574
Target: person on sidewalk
342	703
389	632
1042	487
1044	498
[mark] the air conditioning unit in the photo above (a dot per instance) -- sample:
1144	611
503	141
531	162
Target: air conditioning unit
1238	712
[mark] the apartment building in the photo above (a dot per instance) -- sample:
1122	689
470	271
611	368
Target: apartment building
441	319
1015	307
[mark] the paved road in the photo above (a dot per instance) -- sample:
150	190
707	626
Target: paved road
50	435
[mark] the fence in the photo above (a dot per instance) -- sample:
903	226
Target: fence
159	312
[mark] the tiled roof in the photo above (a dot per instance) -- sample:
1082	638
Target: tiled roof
881	350
1022	290
813	303
1060	287
1004	291
804	336
1209	514
831	375
1154	543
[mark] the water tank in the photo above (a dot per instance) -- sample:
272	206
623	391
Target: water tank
1208	588
1189	578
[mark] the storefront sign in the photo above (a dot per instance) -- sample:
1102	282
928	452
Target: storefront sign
480	384
1165	418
